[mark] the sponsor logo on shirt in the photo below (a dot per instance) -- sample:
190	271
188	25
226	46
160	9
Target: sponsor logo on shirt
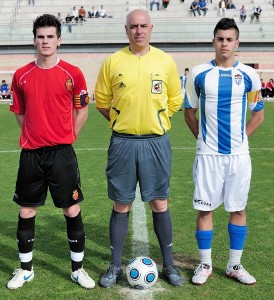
121	85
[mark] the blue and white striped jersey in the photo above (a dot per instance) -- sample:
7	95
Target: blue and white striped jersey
222	94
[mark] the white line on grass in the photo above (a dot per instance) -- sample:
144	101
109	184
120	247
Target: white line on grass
140	240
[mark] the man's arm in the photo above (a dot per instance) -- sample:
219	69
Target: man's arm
20	119
80	119
192	121
104	112
254	122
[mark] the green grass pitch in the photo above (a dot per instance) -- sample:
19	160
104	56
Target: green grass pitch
51	252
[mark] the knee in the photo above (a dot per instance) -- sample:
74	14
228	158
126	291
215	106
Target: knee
72	211
158	206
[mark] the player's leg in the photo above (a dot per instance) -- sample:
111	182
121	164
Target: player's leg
236	194
122	180
163	229
154	158
66	192
204	236
30	193
118	228
208	174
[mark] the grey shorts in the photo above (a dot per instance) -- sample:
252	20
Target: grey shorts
143	159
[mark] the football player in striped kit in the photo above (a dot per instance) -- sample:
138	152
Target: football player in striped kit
220	92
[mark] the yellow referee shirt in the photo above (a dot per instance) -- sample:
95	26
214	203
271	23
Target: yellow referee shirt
143	92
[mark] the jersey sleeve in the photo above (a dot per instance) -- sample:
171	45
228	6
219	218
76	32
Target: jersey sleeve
17	104
174	91
103	89
191	96
254	101
80	93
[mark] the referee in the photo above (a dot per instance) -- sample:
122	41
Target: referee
137	91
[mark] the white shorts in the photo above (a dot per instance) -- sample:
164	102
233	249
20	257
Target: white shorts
221	179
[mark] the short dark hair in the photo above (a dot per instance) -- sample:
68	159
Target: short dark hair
47	20
225	24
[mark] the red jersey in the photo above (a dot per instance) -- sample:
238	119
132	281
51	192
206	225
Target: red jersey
47	98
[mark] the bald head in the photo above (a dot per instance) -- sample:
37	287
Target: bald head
138	13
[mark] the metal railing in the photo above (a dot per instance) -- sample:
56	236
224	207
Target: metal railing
15	12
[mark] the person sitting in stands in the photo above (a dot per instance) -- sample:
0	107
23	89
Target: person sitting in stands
102	12
222	8
82	14
4	90
202	6
242	13
94	13
231	5
68	22
152	2
262	88
269	88
74	14
256	14
165	4
195	7
59	17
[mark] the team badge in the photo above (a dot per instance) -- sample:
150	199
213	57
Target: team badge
75	195
238	79
156	87
69	84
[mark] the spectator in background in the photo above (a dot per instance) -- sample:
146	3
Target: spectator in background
165	4
231	5
59	17
183	79
102	12
222	8
82	14
202	6
242	13
269	88
31	1
195	7
256	14
152	2
68	22
74	14
262	88
273	4
94	13
4	90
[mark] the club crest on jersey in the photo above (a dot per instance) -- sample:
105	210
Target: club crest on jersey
69	84
75	195
238	79
156	87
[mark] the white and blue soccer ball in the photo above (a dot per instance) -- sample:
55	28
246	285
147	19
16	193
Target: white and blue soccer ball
142	272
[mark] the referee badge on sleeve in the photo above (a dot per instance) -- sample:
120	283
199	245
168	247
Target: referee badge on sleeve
156	87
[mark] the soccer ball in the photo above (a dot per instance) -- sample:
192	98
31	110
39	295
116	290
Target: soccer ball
142	272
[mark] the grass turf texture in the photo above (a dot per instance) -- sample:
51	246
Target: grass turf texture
51	251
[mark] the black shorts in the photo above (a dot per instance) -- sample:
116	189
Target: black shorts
53	167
